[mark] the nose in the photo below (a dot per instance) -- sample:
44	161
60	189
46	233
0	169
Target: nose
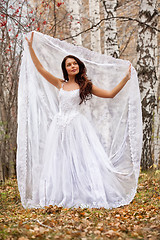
72	66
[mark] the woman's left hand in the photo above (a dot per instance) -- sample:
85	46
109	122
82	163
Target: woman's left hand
31	40
128	75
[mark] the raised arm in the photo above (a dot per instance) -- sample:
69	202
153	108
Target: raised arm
48	76
99	92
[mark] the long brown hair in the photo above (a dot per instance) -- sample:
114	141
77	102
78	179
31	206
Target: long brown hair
81	78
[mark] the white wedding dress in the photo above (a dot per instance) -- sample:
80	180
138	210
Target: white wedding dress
75	155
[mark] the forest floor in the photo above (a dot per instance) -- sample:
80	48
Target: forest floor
138	220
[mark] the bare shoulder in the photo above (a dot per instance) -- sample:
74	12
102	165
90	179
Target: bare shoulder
62	80
94	88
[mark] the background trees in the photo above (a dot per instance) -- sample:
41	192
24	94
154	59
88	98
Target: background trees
110	33
146	66
16	18
118	28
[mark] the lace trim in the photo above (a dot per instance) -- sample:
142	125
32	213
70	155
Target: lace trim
134	137
90	56
22	139
117	203
69	90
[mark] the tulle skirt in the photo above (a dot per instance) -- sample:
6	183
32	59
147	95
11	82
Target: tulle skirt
76	170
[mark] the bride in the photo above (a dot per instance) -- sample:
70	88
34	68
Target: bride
75	73
75	169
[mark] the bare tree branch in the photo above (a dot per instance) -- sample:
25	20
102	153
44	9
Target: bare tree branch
127	42
105	19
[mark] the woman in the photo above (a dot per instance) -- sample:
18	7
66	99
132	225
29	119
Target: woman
75	169
71	69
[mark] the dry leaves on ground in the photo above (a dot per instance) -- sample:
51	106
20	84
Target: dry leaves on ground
138	220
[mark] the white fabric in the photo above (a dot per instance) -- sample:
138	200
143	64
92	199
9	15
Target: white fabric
76	155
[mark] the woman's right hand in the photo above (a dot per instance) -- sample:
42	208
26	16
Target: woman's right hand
31	40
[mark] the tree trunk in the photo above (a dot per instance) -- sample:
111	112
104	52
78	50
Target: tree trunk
110	35
156	131
156	126
74	9
147	76
94	12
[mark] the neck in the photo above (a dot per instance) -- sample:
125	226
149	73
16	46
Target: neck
71	79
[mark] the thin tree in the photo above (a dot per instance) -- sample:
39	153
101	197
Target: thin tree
146	46
94	13
110	33
75	21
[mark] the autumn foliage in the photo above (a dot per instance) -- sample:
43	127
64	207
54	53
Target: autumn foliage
16	19
138	220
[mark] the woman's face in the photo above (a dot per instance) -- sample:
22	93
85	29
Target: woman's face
72	66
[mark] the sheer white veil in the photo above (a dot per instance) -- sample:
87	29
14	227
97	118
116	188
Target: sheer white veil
117	121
